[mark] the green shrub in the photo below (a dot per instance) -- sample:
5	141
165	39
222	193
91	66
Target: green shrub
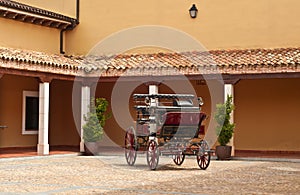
224	128
95	120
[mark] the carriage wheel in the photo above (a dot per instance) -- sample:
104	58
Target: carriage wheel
130	147
203	156
152	155
178	158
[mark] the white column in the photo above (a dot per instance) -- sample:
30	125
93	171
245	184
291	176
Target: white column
85	102
229	90
43	146
153	89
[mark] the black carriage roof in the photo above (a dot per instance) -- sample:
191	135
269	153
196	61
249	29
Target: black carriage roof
167	96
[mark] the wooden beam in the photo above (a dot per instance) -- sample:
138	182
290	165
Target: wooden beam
262	76
38	21
63	26
29	19
36	74
47	23
11	15
55	24
21	17
3	13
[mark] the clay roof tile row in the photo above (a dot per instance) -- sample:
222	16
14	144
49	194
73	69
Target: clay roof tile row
279	60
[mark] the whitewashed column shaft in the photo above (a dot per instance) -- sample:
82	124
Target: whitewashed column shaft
85	102
153	89
43	145
229	90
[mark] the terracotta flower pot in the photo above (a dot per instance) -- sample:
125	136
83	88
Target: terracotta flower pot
223	152
91	148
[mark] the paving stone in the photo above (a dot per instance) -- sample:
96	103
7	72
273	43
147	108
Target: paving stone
111	175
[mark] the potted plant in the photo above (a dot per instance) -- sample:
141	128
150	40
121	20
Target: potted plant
224	128
93	129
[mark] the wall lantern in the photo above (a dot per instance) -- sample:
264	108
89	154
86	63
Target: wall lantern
193	11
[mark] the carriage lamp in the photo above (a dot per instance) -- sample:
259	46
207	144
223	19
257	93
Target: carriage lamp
193	11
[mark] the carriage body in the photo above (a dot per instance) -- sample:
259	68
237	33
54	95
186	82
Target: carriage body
167	124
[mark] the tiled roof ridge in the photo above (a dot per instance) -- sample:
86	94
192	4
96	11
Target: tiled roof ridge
36	10
213	52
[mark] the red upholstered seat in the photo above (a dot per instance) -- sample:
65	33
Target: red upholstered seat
183	118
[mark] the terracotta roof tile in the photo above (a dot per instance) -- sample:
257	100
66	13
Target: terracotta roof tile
195	62
38	61
250	61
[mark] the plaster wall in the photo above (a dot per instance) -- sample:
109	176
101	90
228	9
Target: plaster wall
219	24
22	35
62	125
11	98
267	115
65	7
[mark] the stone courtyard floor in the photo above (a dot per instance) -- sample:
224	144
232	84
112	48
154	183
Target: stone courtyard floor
71	174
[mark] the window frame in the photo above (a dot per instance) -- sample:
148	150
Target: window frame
27	94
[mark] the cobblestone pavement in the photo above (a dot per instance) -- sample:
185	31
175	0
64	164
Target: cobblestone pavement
110	175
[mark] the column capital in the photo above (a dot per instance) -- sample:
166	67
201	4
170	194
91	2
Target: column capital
45	79
152	83
87	82
231	81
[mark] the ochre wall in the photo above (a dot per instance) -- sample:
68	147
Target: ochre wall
28	36
65	7
220	24
62	129
11	99
267	115
22	35
62	126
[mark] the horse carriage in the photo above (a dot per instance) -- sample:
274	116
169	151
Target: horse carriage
167	125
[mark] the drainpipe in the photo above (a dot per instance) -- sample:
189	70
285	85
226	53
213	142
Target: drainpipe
61	45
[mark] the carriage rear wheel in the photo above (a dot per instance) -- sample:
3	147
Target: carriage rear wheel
152	155
203	156
130	147
178	158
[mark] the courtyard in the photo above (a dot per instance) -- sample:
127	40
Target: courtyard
109	174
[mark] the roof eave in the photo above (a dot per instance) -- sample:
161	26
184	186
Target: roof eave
37	16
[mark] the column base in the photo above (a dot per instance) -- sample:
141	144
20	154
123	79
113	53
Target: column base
43	149
82	146
232	150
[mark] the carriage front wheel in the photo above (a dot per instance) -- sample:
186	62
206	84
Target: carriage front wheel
130	146
152	155
203	155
